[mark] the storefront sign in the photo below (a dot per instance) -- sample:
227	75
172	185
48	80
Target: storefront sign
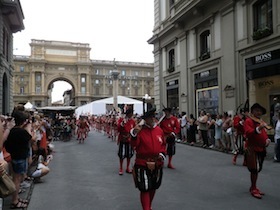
263	57
263	84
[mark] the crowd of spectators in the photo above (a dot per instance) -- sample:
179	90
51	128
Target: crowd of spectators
25	145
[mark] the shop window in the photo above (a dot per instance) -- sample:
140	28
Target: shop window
205	41
262	11
171	60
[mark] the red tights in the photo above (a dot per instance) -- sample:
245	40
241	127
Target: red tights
146	199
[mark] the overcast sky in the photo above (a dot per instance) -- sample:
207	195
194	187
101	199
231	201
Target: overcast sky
114	28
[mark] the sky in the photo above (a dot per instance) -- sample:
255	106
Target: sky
116	29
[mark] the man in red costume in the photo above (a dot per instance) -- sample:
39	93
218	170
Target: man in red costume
125	124
171	127
149	143
257	140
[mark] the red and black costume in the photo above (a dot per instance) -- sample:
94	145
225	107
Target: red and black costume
171	128
257	140
150	148
125	150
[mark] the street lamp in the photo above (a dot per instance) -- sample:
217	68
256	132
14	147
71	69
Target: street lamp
145	98
115	73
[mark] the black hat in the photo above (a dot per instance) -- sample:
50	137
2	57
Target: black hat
150	113
168	109
257	105
129	111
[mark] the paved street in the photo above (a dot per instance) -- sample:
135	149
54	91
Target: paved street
85	176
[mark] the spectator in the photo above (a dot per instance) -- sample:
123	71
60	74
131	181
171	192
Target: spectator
211	130
218	132
203	127
277	139
18	145
192	130
184	127
226	132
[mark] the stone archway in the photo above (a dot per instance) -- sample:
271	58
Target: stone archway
59	77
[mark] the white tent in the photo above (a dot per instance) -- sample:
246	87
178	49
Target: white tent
104	106
28	106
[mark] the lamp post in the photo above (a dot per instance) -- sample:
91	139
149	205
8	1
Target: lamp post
115	73
144	99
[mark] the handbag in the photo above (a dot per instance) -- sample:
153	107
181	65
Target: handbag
7	155
7	186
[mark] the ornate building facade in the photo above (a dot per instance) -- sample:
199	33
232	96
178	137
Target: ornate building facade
91	80
213	55
11	21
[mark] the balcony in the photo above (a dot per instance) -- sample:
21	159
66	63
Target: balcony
12	11
261	33
204	56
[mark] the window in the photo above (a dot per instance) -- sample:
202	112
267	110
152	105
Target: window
136	73
38	77
135	82
5	43
96	71
83	78
205	40
21	68
171	60
262	10
123	72
148	74
38	89
83	90
110	82
123	82
171	2
97	81
21	91
22	79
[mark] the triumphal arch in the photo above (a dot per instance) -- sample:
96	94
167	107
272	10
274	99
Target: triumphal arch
52	61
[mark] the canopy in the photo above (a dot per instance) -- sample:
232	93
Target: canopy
105	105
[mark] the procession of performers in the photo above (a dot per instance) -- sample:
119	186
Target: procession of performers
152	139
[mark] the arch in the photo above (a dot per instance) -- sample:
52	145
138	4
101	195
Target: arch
65	78
5	94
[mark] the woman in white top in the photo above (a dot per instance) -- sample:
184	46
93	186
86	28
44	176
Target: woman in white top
277	140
